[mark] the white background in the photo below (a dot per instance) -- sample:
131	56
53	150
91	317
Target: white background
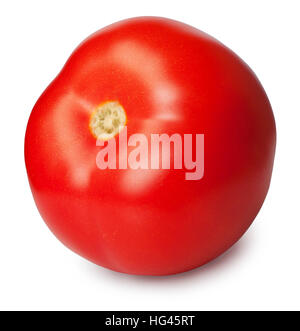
261	272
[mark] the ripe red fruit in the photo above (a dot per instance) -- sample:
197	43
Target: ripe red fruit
156	76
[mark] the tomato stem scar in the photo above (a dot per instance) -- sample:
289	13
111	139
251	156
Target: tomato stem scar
107	120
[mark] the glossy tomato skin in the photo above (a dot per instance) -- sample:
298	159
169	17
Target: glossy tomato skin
170	78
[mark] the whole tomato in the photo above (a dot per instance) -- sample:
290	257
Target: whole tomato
155	77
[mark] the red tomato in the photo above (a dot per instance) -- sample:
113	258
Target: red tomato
169	78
